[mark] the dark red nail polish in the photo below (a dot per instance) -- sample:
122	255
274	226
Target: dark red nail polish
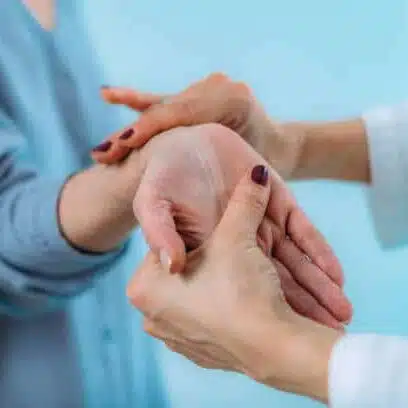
259	175
105	86
103	147
126	134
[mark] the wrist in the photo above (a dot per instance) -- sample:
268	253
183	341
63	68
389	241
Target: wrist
310	346
95	209
297	359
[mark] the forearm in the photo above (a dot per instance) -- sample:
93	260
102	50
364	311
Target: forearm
333	150
95	208
305	354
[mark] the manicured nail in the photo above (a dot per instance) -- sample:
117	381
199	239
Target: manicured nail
126	134
103	147
165	260
259	175
105	87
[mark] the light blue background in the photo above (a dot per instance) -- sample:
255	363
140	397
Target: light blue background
305	60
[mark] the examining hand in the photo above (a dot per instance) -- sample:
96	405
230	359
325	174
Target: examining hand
216	99
228	310
187	177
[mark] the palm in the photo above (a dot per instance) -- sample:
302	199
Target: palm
186	186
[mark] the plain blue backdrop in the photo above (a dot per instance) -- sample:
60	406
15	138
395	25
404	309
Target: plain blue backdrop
304	60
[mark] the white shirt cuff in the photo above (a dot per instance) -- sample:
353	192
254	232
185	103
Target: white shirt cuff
369	371
387	132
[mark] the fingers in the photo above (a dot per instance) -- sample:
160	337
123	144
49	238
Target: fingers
314	280
302	301
311	242
109	151
138	101
159	118
156	220
117	147
246	207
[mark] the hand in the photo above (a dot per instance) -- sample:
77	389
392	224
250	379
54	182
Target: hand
228	310
187	177
216	99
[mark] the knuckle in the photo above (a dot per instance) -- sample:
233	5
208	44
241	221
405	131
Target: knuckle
219	77
243	90
185	107
138	295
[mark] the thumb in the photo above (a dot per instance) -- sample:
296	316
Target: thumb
247	206
156	220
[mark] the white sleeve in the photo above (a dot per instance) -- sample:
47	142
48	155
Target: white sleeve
369	371
387	133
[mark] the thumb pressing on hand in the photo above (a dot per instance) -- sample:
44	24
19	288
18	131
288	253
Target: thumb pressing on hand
155	217
246	208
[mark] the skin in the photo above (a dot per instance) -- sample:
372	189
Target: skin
247	326
331	150
113	186
182	196
96	208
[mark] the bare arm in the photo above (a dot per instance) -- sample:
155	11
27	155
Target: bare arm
95	208
333	150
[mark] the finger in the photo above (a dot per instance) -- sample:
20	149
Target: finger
138	101
247	205
155	217
114	154
313	279
303	302
162	117
312	242
110	151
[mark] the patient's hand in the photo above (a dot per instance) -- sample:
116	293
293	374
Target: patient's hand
188	176
227	310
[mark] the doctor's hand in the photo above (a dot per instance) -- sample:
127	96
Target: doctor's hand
187	177
228	310
215	99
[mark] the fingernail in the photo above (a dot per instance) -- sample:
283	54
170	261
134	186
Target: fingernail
259	175
103	147
165	260
105	87
126	134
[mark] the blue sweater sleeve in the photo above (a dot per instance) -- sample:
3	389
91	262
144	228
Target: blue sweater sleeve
38	267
